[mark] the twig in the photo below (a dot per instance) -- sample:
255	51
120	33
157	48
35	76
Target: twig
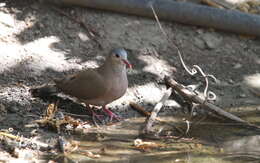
21	139
193	71
191	96
147	114
211	3
76	115
156	110
188	126
140	109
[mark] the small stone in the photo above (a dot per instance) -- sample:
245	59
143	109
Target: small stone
199	43
72	12
41	25
242	95
2	4
237	66
252	83
211	40
230	81
221	93
7	20
199	31
83	37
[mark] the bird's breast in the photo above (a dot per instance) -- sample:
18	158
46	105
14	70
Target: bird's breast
118	87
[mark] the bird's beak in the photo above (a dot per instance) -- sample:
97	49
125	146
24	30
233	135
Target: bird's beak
128	65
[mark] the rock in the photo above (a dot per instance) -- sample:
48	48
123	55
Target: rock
7	20
199	43
200	31
242	95
2	4
230	81
237	66
211	41
172	103
252	82
83	37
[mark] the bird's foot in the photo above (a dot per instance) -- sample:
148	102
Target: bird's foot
95	116
111	114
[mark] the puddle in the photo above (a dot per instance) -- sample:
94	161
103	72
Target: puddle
207	141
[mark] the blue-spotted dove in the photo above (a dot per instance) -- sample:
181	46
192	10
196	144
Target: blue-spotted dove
99	86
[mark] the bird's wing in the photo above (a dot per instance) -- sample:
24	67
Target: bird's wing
88	84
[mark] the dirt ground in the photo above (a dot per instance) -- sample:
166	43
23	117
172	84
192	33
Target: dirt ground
39	44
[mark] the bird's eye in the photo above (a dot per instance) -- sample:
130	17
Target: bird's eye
117	55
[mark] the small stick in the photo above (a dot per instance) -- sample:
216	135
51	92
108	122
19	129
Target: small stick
156	110
18	138
140	109
76	115
212	4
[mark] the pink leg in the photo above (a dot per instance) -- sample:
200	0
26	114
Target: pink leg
111	114
95	115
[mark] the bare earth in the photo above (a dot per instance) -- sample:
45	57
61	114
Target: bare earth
38	44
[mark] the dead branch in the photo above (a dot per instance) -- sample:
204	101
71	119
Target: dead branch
156	110
192	97
212	4
140	109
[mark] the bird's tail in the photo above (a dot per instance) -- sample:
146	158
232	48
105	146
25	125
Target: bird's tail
44	90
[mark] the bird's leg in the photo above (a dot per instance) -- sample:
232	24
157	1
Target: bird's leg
110	114
94	115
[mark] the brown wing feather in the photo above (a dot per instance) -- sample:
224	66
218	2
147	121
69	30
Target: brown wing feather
88	84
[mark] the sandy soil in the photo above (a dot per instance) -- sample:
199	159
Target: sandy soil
38	44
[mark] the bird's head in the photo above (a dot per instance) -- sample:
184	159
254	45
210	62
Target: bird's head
119	56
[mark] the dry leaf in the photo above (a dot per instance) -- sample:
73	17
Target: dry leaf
146	145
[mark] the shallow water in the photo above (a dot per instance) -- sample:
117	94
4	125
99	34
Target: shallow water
208	140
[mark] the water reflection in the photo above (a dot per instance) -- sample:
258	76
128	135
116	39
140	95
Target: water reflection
207	142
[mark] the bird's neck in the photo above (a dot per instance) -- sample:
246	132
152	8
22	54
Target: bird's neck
114	68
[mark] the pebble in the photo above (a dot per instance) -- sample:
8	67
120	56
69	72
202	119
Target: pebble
2	4
242	95
237	66
199	43
230	81
252	82
211	40
83	37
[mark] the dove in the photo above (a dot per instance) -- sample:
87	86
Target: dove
97	86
